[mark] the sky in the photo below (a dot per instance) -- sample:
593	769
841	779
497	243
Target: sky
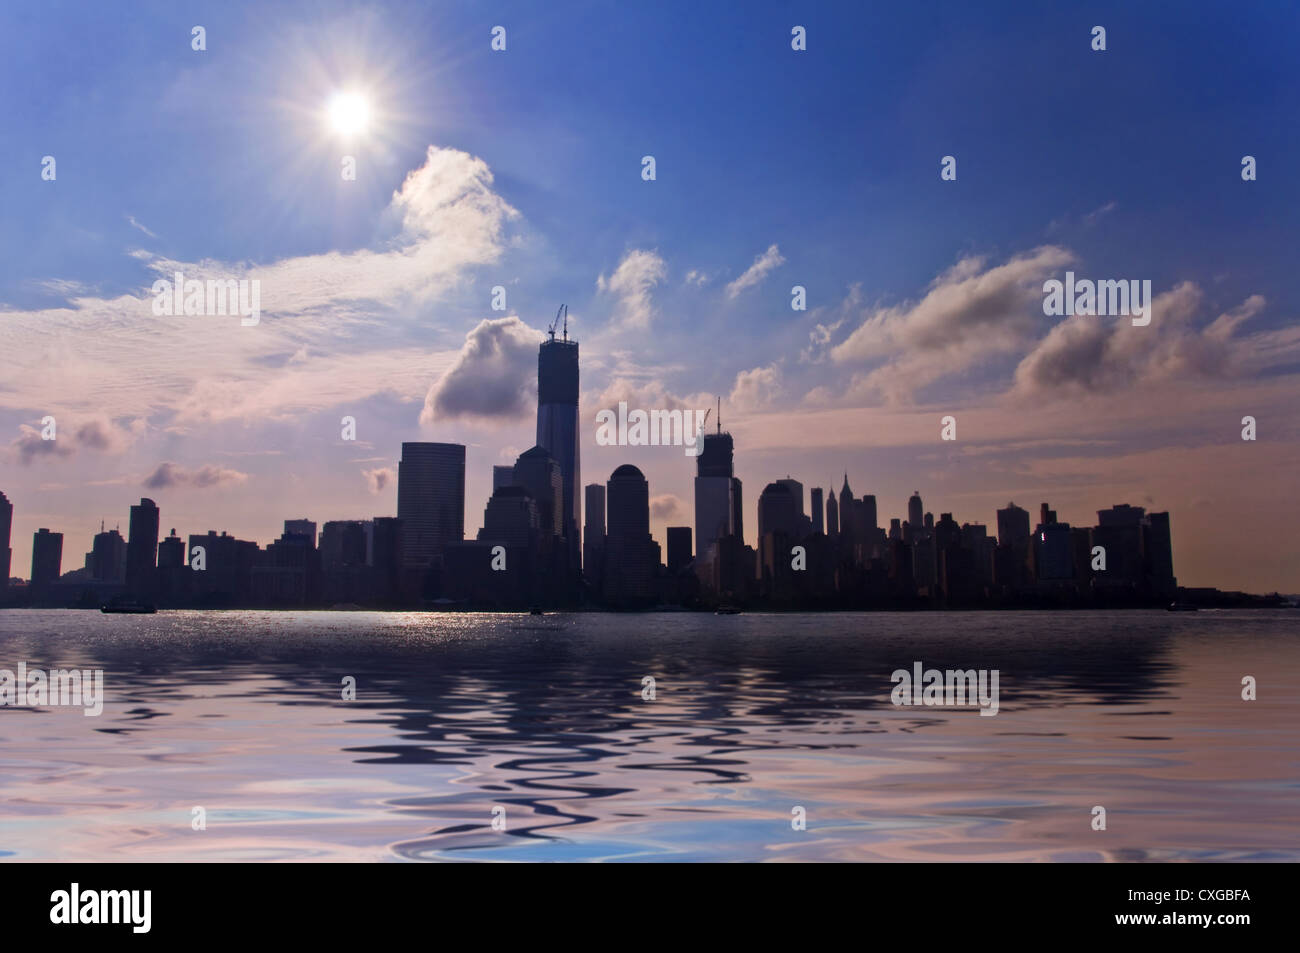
774	168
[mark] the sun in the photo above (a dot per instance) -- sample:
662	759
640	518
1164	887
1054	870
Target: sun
349	113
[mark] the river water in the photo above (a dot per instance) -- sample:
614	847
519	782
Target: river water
541	724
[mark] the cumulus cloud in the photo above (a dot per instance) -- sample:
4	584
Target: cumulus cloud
665	507
380	478
29	446
755	273
169	474
1084	354
755	389
493	377
96	433
632	282
968	313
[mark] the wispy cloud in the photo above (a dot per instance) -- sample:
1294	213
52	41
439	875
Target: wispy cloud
763	265
631	283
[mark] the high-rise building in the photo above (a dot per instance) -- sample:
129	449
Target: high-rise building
679	548
818	523
832	515
171	552
870	521
803	523
306	528
512	518
6	527
847	529
1013	551
142	548
430	500
778	511
47	558
542	478
916	513
502	475
108	557
717	506
630	553
342	544
593	534
557	427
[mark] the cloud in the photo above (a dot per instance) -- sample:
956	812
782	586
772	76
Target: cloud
665	506
755	389
97	433
632	281
1096	214
101	433
1088	355
29	446
169	474
493	377
696	277
969	312
762	266
135	224
354	319
380	478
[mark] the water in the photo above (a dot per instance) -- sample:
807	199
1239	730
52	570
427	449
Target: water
241	713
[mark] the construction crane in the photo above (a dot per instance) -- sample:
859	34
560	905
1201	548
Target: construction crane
561	312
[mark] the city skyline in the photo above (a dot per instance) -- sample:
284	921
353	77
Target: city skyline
491	186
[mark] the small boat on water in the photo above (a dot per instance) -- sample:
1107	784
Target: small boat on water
128	607
727	610
1182	607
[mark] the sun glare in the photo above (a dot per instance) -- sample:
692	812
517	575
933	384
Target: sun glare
349	114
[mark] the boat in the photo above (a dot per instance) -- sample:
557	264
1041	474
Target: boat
727	610
1183	607
128	607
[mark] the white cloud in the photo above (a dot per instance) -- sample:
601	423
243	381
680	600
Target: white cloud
762	266
632	281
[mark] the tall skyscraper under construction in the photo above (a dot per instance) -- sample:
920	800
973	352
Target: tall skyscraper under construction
557	423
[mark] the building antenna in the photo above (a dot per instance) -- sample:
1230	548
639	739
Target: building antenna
719	413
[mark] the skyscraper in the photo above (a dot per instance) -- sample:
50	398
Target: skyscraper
430	500
847	529
629	551
679	548
716	503
818	523
593	538
47	558
916	513
832	515
502	475
305	528
541	477
142	548
557	426
6	527
108	556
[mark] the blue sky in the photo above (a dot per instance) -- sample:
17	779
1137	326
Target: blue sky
1126	161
